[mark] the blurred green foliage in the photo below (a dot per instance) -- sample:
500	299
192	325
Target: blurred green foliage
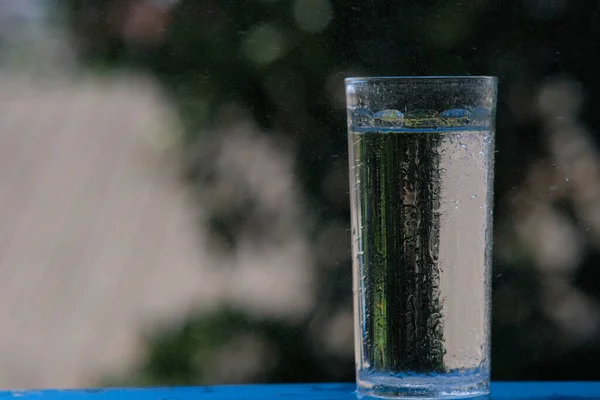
187	354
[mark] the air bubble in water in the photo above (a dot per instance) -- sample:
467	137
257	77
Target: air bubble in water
389	118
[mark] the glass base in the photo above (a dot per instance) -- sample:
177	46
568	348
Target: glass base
422	386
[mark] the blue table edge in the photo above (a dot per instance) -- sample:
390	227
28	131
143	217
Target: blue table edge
317	391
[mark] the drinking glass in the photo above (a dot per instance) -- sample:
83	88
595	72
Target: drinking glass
421	169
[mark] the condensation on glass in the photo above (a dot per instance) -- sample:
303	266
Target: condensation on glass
421	169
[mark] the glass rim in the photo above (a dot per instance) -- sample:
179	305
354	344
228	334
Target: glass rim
367	79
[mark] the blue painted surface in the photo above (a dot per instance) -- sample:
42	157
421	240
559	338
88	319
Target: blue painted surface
500	391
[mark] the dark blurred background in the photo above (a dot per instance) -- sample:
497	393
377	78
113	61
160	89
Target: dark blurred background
174	194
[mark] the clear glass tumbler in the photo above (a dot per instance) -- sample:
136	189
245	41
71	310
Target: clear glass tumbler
421	170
